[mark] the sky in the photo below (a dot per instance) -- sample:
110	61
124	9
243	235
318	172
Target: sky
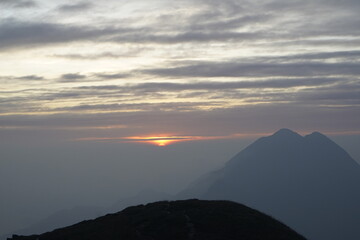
86	85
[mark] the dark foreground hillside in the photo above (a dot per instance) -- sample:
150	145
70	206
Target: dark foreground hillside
188	219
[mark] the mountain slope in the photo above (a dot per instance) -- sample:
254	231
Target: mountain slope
68	217
309	183
178	220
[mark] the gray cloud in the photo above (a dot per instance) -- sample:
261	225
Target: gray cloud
253	119
69	77
277	83
317	74
238	69
27	77
225	26
187	37
30	77
15	34
81	6
119	97
332	97
303	19
164	106
97	56
320	42
230	21
18	3
343	55
340	94
88	56
112	75
280	83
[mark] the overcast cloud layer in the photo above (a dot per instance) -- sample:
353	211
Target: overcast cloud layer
93	58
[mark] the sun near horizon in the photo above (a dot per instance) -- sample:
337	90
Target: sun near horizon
158	140
162	143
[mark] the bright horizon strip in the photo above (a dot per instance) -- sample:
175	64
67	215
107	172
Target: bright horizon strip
164	140
160	141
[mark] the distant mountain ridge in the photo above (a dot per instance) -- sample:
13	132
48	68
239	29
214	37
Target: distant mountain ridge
309	183
62	218
74	215
177	220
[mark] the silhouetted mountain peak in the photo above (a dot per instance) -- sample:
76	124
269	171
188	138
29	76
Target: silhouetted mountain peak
322	143
307	182
317	138
177	220
282	142
317	135
286	134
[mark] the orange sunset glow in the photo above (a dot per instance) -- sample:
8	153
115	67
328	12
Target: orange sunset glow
165	140
160	141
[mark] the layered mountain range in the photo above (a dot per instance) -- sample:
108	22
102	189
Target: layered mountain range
307	182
